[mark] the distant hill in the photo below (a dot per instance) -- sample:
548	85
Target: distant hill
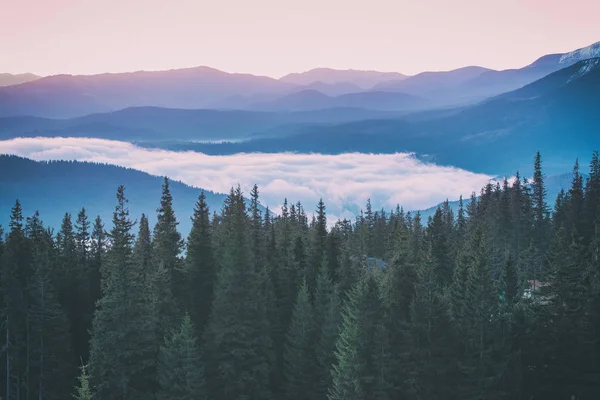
363	79
57	187
315	100
15	79
471	84
557	115
67	96
495	82
435	85
155	123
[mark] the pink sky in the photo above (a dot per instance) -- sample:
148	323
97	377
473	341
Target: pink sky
274	37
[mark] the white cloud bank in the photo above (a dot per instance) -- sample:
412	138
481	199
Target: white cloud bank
344	181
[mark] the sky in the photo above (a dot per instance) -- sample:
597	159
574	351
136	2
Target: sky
276	37
344	181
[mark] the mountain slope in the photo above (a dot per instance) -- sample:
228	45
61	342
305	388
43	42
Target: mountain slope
315	100
16	79
494	82
557	115
63	186
363	79
439	85
66	96
154	123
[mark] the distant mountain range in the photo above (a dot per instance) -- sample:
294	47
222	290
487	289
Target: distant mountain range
54	188
362	79
16	79
372	100
67	96
557	115
155	123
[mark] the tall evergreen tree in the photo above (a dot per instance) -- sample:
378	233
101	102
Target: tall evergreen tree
361	369
180	369
167	245
97	251
200	269
299	349
50	362
123	343
476	321
15	271
327	315
84	390
237	336
430	370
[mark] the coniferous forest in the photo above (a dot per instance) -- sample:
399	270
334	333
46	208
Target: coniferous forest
500	300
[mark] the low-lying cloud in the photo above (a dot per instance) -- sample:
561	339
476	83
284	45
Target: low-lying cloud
344	181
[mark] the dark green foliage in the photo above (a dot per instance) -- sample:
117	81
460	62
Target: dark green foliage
501	302
166	274
237	336
299	349
361	370
180	370
430	360
200	269
123	331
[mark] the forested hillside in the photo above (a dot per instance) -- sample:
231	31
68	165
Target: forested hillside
498	301
56	187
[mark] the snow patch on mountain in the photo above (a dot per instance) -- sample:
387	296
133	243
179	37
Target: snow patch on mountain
585	53
585	68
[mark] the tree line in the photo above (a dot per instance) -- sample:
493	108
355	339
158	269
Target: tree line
500	301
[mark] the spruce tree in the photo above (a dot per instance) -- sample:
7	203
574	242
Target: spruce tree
476	321
166	275
50	362
123	343
362	369
200	269
299	349
98	250
84	390
237	336
430	372
328	312
15	270
180	369
72	280
318	247
142	252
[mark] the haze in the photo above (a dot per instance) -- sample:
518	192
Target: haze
275	37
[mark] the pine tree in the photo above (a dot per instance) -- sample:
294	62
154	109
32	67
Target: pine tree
15	271
123	343
299	349
72	280
97	251
237	336
328	301
166	275
318	247
180	369
430	371
475	321
84	390
361	367
200	268
142	252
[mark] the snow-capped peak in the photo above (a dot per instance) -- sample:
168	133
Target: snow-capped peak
573	57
